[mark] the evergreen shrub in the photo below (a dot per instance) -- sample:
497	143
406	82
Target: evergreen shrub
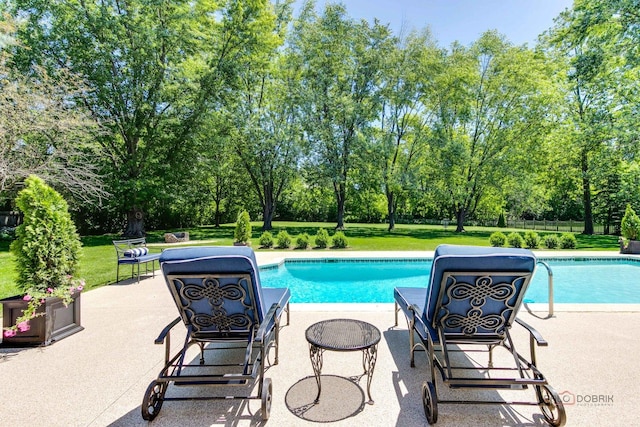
302	241
283	239
568	241
497	239
340	240
551	241
531	239
515	240
322	239
266	240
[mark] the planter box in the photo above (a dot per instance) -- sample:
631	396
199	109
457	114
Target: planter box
57	322
629	246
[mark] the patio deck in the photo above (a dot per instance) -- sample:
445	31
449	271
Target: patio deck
98	376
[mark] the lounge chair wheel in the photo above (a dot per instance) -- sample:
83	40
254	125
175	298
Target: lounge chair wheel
551	405
266	398
430	402
153	399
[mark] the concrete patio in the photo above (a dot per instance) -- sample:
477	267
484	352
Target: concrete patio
98	377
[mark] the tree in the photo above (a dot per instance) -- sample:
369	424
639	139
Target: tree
405	114
43	131
492	105
341	65
154	69
599	38
267	132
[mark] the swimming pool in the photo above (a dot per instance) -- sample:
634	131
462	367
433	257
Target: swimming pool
372	281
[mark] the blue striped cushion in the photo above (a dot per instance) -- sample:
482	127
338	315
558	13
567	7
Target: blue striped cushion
136	252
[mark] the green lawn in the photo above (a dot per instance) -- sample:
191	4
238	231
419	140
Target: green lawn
98	260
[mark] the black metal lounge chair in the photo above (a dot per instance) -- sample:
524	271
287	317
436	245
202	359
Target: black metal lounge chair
224	308
472	300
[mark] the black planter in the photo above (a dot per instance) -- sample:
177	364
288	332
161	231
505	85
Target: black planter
629	246
56	323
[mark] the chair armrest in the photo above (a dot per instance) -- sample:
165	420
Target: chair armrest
166	330
417	320
534	333
268	322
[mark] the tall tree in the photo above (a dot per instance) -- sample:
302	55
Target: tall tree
405	115
492	105
154	68
341	64
267	134
591	94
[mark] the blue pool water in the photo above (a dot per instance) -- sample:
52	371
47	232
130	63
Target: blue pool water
351	281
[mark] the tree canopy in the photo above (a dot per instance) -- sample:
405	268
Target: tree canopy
176	113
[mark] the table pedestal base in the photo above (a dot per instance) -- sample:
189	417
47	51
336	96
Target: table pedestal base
369	357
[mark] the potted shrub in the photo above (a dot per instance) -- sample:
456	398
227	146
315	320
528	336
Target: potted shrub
630	228
242	233
46	253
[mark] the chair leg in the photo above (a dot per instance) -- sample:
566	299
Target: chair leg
277	339
117	273
412	343
288	313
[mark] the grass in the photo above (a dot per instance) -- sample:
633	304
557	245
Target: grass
98	259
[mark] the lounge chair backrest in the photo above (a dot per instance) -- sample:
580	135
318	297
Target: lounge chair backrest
216	289
475	291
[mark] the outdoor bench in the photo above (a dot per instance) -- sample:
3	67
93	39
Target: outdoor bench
134	252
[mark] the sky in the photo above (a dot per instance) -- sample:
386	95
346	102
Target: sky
521	21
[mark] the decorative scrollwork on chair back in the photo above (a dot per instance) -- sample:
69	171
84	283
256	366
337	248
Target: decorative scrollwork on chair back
212	303
478	303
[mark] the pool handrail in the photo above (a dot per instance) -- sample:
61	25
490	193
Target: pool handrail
550	285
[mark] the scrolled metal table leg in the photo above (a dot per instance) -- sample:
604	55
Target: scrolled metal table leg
369	356
315	354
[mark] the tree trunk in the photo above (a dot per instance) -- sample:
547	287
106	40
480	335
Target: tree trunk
391	210
340	196
268	206
267	215
586	191
217	215
135	223
460	215
607	223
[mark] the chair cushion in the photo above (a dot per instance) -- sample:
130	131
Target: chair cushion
135	252
220	260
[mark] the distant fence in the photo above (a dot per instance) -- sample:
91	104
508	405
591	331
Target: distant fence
562	226
10	219
526	224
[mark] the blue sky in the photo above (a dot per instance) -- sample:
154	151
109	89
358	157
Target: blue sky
521	21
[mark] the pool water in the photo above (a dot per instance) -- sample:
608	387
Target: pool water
616	282
358	281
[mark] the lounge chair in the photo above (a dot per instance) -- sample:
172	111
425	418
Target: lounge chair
471	302
225	309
